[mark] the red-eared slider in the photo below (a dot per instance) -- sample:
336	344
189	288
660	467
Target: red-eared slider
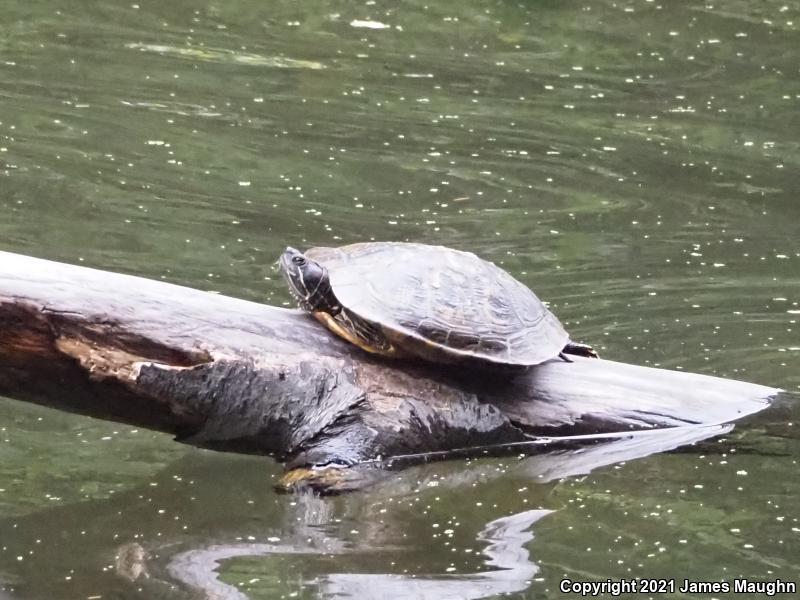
443	305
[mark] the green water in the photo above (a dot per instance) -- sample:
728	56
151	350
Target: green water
636	163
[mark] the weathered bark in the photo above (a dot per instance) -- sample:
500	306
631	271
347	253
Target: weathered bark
234	375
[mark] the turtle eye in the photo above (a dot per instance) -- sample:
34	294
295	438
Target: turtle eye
299	260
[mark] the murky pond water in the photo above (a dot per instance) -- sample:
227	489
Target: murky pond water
635	162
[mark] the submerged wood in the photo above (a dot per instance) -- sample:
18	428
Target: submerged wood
229	374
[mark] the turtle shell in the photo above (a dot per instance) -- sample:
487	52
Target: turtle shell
443	304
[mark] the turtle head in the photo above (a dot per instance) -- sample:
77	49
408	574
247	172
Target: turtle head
308	282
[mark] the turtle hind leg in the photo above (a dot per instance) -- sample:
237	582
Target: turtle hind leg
578	350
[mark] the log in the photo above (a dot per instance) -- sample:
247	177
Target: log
229	374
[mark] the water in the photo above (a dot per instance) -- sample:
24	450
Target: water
636	163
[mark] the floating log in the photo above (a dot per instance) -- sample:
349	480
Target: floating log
229	374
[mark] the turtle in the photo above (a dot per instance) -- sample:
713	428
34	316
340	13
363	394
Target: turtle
410	300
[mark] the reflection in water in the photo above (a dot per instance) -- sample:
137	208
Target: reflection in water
223	56
506	552
553	458
209	512
612	449
311	535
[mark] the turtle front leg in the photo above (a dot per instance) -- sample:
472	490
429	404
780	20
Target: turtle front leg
358	332
330	480
578	350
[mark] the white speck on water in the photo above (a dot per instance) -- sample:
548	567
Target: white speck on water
368	24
